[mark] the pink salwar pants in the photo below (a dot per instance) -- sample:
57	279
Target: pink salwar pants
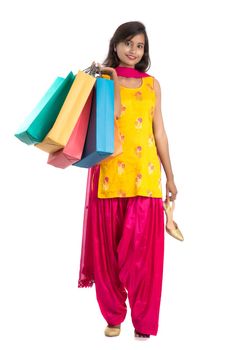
122	253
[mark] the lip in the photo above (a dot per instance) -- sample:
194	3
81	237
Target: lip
131	57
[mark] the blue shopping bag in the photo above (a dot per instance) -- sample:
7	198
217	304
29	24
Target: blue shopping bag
99	143
41	119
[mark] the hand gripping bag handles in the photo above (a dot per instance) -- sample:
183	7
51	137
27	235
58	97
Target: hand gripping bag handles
39	122
99	143
74	103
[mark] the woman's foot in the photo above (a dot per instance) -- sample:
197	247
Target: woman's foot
141	335
112	330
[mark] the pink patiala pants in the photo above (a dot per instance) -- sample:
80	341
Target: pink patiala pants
122	253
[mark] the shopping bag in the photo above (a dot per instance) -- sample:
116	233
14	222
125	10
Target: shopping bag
39	122
72	152
78	94
99	142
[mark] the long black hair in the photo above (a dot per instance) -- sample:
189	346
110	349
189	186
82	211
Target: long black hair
127	31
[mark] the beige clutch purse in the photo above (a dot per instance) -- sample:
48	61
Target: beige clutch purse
171	226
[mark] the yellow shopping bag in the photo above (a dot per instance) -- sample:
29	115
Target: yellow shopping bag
78	94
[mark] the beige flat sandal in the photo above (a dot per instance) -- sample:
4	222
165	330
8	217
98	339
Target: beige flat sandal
171	226
112	331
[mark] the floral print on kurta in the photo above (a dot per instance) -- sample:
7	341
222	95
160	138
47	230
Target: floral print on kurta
137	170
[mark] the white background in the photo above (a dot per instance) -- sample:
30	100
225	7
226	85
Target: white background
191	48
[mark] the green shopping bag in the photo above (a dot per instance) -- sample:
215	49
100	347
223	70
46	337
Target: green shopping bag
42	118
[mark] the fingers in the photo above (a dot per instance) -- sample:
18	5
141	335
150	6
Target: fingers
170	198
167	199
171	188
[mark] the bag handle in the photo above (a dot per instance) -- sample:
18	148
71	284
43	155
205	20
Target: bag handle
93	70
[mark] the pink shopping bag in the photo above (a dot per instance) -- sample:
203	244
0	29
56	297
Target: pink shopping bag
72	152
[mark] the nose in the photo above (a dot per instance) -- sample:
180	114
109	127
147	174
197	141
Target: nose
132	50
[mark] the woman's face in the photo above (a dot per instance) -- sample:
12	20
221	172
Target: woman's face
130	52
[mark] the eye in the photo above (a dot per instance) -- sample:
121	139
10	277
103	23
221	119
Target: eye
140	46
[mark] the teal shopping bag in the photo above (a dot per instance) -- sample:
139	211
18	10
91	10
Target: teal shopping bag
99	143
42	118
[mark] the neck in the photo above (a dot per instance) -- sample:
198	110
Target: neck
126	66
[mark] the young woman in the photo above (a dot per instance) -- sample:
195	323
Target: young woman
123	231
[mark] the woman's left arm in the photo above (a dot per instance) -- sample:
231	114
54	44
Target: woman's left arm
162	145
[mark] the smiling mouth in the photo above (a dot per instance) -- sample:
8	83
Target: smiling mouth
131	57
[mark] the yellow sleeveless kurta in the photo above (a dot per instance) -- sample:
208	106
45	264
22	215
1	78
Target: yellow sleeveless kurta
137	170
